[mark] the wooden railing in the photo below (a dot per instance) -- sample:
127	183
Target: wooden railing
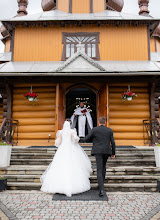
151	131
7	130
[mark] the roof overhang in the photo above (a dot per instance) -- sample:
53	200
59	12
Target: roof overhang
62	18
84	74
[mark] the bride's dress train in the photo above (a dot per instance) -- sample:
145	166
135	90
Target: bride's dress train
70	169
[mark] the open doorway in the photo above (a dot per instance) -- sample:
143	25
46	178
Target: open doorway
74	96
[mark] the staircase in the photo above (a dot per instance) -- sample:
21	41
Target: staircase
132	170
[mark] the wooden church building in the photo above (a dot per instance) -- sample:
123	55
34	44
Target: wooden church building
79	50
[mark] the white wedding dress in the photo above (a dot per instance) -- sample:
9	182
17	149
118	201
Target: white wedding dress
70	169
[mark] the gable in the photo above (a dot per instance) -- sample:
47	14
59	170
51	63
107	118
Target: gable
80	62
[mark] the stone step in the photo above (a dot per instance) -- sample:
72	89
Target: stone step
38	170
141	187
46	150
93	178
50	155
115	162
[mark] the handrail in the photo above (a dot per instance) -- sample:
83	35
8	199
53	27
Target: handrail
151	129
3	123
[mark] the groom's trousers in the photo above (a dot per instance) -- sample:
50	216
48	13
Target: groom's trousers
101	160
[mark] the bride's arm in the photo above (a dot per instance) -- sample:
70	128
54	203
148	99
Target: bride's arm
58	141
75	138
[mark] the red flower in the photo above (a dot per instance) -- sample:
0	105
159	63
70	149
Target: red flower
31	95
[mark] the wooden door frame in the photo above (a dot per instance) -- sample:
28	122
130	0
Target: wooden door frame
80	85
107	103
58	87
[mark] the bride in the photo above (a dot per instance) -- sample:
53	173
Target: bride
70	169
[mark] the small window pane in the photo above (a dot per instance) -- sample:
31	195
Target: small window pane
83	48
93	50
89	50
72	49
67	50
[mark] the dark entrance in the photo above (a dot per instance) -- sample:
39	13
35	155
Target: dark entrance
82	94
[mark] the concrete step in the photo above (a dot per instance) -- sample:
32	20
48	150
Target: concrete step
111	171
93	178
115	162
86	149
50	155
141	187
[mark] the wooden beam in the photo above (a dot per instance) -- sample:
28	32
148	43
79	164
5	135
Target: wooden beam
91	6
9	91
152	101
70	6
149	47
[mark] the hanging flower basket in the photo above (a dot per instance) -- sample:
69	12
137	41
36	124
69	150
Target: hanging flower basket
129	95
31	96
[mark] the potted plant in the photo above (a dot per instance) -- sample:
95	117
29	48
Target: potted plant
129	95
157	154
31	96
3	183
5	154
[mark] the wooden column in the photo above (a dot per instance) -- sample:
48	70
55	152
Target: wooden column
152	100
9	92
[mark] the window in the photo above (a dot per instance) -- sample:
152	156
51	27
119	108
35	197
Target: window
88	40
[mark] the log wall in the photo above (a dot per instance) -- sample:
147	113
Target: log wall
36	121
126	117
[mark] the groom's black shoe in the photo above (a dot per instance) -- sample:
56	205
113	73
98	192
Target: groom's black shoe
101	193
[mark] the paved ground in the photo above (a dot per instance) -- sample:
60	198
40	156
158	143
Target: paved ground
36	205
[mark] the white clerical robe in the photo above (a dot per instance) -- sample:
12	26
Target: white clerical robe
82	121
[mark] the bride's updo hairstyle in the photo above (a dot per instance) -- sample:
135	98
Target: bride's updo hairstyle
69	120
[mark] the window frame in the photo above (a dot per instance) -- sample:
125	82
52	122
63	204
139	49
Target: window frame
81	34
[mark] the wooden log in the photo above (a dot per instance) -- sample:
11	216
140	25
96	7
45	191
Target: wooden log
156	114
5	108
133	102
124	121
36	121
36	107
35	135
124	142
156	94
127	128
35	89
132	84
130	114
156	107
36	128
4	101
5	96
38	142
22	85
42	114
4	114
129	108
123	89
139	96
41	96
156	101
40	102
129	135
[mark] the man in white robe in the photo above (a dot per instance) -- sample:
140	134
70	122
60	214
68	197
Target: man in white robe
83	117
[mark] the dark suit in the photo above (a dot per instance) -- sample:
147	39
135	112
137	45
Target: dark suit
103	147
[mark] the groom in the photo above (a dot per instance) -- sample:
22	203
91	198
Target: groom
103	148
